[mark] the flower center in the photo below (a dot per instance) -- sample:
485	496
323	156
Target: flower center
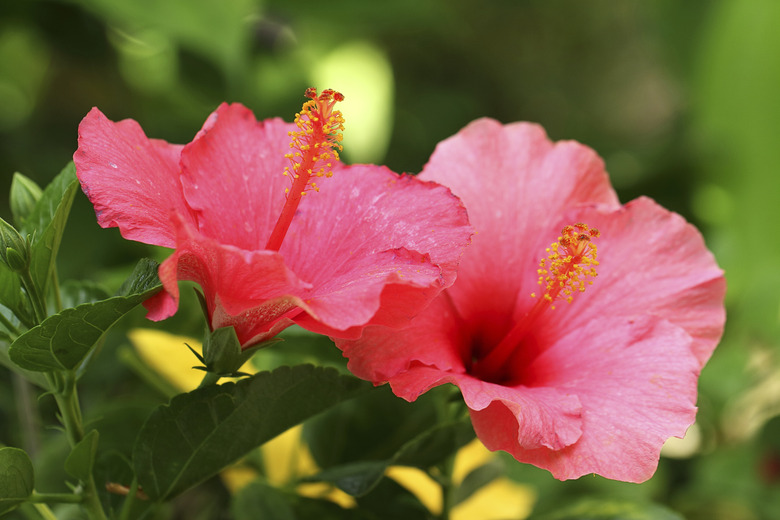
569	268
314	148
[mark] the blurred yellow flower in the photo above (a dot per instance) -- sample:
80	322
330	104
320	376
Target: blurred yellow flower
497	500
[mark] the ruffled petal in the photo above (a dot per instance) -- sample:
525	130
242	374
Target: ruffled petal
372	237
651	262
232	174
250	290
434	338
131	180
516	184
636	380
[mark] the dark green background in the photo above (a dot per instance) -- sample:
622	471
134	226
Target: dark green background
679	98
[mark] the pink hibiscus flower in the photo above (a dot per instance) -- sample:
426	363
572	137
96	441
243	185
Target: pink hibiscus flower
268	245
568	376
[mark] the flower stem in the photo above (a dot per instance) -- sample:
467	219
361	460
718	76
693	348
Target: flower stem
447	487
128	503
37	511
55	283
210	378
55	498
63	386
35	297
10	327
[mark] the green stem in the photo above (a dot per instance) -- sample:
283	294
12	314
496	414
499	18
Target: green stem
37	301
37	511
447	487
45	512
10	327
56	290
64	391
209	379
55	498
128	503
29	418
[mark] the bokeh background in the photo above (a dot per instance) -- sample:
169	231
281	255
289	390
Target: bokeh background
681	99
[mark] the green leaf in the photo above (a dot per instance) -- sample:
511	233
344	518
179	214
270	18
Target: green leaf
16	478
75	293
25	194
433	446
258	500
82	458
424	451
63	340
355	478
46	207
47	224
478	478
389	499
373	427
11	290
609	509
201	432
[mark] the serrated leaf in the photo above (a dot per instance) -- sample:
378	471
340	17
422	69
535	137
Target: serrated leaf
201	432
424	451
82	458
63	340
16	478
608	509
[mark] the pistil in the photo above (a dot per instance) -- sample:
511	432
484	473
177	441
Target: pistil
569	268
315	147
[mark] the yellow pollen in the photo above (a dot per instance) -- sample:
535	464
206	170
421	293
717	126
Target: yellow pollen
316	142
313	148
571	264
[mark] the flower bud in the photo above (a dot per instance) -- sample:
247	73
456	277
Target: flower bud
14	250
25	194
15	260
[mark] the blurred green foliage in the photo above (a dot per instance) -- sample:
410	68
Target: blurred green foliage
680	98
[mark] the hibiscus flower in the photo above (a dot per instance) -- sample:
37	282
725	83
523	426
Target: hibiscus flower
578	357
256	221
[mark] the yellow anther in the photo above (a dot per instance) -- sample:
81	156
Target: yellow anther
571	263
316	142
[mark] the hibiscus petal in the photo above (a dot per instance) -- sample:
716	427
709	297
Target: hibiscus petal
132	181
249	289
515	183
636	380
434	338
430	353
359	241
651	261
232	174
